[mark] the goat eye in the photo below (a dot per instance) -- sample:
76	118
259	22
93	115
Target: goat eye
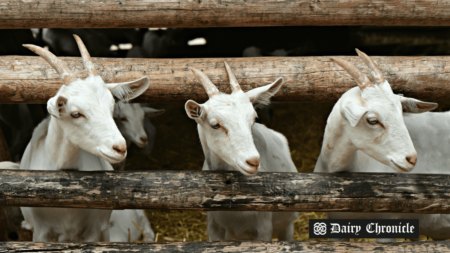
372	121
75	114
124	119
215	125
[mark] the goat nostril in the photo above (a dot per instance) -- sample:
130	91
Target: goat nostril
254	162
121	149
412	159
143	139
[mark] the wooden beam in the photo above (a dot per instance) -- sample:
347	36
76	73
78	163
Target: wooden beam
307	79
226	13
230	247
196	190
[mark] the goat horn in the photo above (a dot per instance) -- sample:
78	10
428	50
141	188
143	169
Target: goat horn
88	64
210	88
61	68
374	71
361	79
233	81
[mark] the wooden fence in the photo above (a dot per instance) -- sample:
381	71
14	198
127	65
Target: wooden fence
216	13
195	190
307	79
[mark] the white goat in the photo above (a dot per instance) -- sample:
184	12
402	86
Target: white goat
9	166
134	124
123	229
365	132
130	120
429	133
80	134
231	141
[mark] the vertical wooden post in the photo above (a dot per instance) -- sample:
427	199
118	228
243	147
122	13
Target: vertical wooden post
10	216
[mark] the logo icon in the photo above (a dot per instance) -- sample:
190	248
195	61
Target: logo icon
320	228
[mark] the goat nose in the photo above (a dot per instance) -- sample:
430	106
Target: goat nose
120	148
144	139
253	162
412	159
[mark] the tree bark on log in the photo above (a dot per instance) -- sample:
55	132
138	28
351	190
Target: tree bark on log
230	247
196	190
224	13
307	79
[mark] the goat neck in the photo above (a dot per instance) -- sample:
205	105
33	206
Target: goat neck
337	151
66	155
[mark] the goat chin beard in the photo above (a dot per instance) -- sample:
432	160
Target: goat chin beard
112	159
246	172
399	168
140	144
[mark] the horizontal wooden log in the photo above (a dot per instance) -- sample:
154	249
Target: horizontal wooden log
196	190
224	13
229	247
307	79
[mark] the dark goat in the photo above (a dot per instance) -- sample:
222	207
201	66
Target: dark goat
97	41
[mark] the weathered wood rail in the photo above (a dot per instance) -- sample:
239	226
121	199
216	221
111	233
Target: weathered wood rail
213	13
308	79
196	190
229	247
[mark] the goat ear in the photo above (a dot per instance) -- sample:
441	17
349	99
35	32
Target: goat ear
151	112
193	109
55	105
261	95
128	90
353	112
412	105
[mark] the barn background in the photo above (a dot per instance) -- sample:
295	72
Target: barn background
176	144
